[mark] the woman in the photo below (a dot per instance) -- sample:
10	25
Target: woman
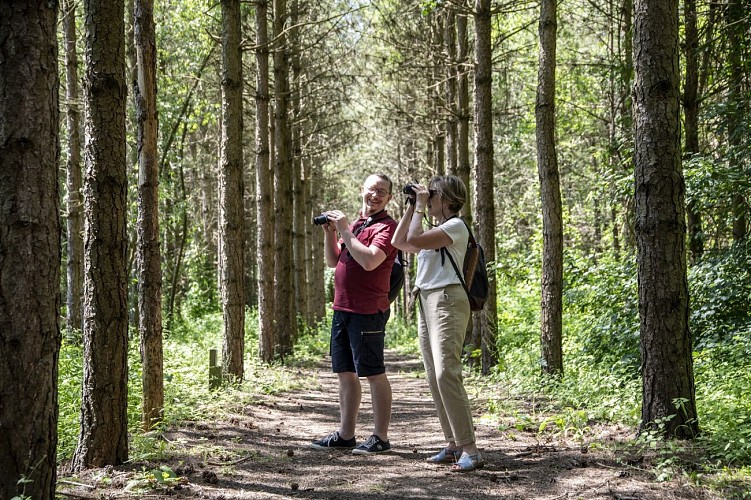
444	310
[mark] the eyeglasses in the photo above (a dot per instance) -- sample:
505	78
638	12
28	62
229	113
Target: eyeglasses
378	192
433	192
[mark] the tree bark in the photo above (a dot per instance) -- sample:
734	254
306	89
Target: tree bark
74	299
147	246
231	197
669	403
452	75
264	187
691	120
104	422
462	101
29	248
551	317
485	320
737	25
285	310
299	182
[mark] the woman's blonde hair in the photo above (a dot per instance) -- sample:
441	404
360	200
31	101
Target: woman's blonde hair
452	189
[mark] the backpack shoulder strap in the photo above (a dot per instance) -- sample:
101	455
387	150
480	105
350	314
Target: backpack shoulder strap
444	251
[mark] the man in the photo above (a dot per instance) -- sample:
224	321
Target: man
363	257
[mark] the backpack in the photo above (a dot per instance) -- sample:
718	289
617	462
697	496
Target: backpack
397	276
474	278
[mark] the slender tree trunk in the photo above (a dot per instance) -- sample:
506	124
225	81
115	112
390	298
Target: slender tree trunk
551	319
104	422
147	246
264	187
286	310
30	243
299	197
451	89
737	25
231	196
485	320
667	365
463	115
691	113
438	91
73	179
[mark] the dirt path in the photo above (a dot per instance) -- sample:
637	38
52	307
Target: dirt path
263	453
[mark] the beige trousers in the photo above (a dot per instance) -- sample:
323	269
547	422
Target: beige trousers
444	314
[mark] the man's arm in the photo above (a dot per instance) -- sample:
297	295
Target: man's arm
331	249
368	257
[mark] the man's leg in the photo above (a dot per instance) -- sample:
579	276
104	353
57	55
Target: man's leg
380	393
350	393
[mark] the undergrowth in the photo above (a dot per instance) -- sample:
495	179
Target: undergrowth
600	386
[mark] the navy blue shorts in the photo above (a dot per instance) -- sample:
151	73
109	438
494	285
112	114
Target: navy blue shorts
357	342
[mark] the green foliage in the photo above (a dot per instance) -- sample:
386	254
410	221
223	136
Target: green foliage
601	301
70	374
723	385
720	291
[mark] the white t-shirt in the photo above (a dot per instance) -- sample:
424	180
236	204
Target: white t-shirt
431	272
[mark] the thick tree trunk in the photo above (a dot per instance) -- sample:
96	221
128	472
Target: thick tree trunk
231	196
29	249
551	318
285	310
104	422
73	174
147	246
264	188
667	365
485	320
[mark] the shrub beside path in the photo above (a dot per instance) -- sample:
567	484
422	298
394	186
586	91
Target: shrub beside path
262	452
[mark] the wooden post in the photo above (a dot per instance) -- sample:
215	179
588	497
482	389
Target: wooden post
215	371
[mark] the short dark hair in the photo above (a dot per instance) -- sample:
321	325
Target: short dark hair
385	177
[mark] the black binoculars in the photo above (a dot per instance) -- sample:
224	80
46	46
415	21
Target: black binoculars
320	220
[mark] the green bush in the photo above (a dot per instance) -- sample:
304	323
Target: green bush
720	291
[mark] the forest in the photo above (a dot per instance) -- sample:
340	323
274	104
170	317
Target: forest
161	162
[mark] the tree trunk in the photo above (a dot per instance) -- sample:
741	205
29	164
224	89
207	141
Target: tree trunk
691	113
438	92
231	196
285	310
73	178
462	101
451	86
264	187
737	25
104	420
299	190
667	366
551	321
147	246
30	243
485	320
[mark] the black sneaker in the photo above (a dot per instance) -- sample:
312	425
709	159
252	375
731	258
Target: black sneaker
373	445
333	440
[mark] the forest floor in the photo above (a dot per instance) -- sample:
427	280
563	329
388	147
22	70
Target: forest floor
262	451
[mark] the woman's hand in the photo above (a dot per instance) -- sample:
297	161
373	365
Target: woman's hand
421	197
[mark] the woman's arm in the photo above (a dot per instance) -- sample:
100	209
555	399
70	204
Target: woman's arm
416	237
399	239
